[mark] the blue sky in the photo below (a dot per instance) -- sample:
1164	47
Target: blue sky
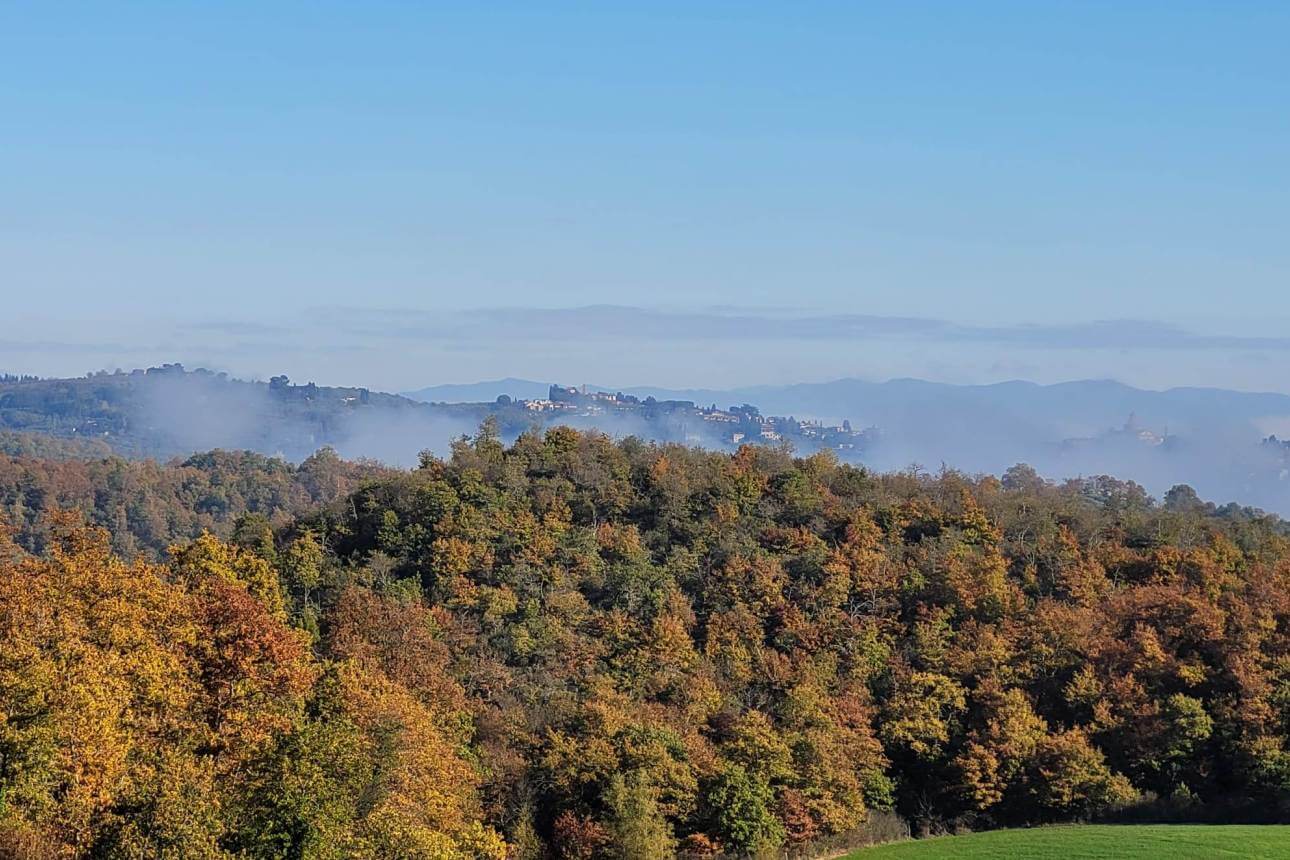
277	187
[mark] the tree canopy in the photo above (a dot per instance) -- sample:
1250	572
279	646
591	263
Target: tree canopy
576	647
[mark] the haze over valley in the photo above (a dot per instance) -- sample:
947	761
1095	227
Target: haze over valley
1221	443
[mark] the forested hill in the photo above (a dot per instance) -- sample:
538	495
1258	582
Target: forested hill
168	412
1210	440
578	648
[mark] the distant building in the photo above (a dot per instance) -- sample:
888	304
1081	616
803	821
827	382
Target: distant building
546	405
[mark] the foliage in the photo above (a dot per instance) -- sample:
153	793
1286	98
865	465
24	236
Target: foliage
615	649
171	712
147	506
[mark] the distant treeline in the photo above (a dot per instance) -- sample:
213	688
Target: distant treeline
578	648
148	506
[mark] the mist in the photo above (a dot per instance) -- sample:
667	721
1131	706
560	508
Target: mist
1211	440
176	414
1221	465
398	439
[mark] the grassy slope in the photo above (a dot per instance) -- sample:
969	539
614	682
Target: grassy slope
1092	842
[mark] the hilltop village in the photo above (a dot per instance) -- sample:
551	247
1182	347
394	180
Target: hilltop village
685	421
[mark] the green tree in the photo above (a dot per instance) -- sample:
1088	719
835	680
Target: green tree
742	807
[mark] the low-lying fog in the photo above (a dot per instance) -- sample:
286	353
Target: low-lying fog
1211	440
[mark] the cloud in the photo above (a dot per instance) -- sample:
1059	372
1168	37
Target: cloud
236	328
59	346
616	323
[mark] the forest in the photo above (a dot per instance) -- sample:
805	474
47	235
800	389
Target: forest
579	647
148	506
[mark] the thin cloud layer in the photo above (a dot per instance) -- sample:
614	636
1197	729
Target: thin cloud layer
617	322
406	348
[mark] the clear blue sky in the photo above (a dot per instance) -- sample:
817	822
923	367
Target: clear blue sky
273	186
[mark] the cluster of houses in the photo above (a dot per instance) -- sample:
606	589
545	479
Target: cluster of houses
694	424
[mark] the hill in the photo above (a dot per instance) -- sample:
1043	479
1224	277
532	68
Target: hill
1097	842
1209	439
168	411
579	647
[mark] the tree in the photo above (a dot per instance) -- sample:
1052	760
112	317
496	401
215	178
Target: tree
302	570
742	808
639	831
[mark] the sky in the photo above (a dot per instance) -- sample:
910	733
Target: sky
683	194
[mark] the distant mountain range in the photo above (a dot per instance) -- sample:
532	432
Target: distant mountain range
477	392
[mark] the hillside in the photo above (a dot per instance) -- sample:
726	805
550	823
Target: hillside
582	648
1211	440
165	412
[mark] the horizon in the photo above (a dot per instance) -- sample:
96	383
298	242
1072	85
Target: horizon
638	386
1147	355
829	381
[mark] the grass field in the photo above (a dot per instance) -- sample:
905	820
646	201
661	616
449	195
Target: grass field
1095	842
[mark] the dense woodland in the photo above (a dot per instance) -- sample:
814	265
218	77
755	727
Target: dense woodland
581	648
148	506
